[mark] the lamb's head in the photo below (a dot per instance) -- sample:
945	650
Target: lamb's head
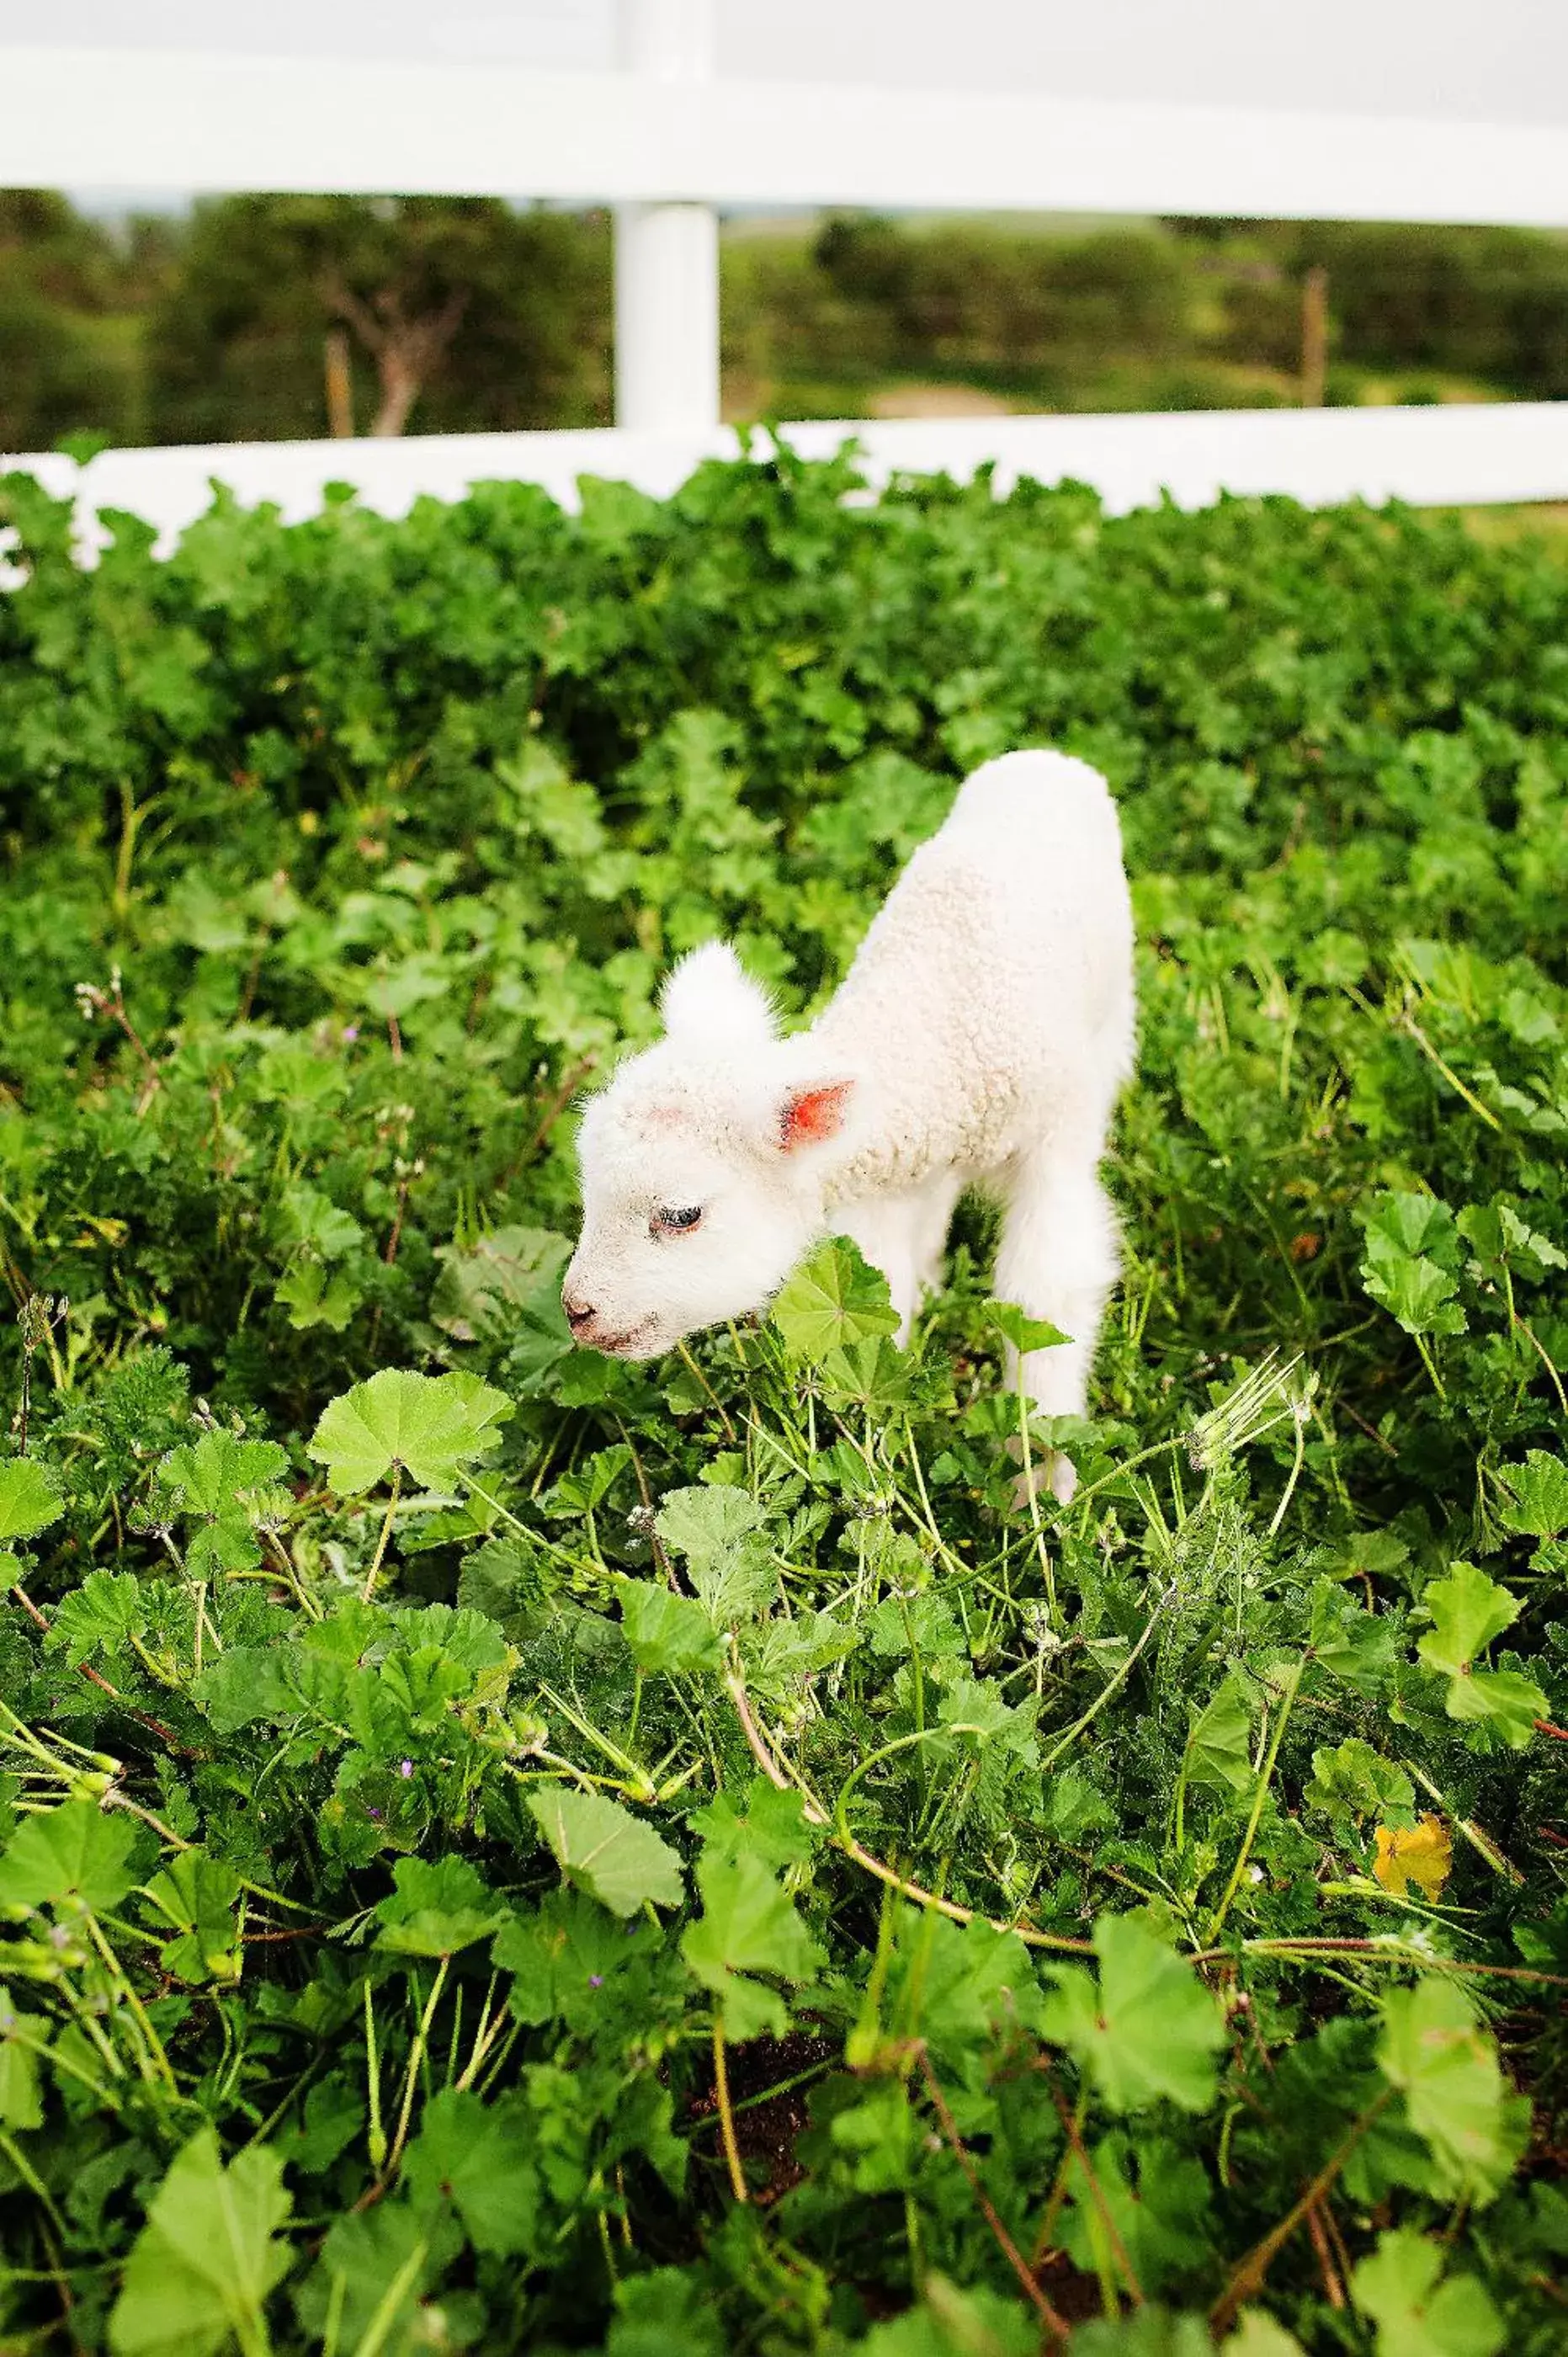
704	1166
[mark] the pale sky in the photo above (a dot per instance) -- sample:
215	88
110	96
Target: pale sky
1503	62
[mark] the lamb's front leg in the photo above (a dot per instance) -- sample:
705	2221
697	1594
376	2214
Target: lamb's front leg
883	1226
1058	1260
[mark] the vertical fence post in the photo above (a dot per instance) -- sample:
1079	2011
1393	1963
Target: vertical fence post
667	255
1314	338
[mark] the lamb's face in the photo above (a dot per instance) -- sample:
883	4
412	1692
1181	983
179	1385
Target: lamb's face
703	1167
682	1228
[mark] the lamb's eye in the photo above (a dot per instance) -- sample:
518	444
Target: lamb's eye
676	1220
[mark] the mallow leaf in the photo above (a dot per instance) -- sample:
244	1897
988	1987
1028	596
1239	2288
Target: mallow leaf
1422	1852
1025	1333
588	1485
1445	2064
833	1299
1351	1780
717	1531
606	1851
436	1910
214	1475
1417	2313
1218	1748
479	2157
223	1485
429	1426
665	1632
105	1610
705	1524
748	1925
1469	1609
195	1894
1537	1495
200	2270
1410	1263
29	1498
71	1857
771	1826
1147	2029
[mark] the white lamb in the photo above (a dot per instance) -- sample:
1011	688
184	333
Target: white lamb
978	1040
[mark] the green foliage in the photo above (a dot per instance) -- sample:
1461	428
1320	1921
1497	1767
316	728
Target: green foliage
428	1427
1467	1611
199	2274
1435	2051
71	1858
603	1849
1418	2316
833	1301
29	1500
1351	1782
747	1927
1411	1259
1145	2030
425	1749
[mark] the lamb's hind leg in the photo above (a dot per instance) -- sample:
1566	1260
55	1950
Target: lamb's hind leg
1058	1260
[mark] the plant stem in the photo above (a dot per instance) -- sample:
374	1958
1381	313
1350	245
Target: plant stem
1101	1698
1289	1490
1051	2321
1293	1680
1481	1843
370	1588
415	2057
1073	2130
730	1434
816	1815
1035	1524
1247	2280
378	2135
726	2116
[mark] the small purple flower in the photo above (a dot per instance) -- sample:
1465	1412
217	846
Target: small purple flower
405	1768
374	1812
596	1980
350	1031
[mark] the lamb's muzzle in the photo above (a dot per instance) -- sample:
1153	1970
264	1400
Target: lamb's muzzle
979	1038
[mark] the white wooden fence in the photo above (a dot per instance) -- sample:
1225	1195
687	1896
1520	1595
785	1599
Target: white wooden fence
668	144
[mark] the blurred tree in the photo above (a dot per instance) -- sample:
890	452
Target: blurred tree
1486	303
1489	303
59	371
963	292
468	313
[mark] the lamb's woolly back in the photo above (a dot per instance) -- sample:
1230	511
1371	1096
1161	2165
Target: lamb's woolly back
710	1001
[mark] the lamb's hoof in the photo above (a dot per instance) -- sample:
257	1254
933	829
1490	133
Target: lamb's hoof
1053	1471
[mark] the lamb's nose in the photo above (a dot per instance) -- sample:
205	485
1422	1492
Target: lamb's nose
578	1313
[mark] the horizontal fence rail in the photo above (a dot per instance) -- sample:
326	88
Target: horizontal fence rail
137	119
1427	457
667	143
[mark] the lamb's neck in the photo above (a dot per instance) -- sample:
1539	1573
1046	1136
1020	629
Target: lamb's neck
884	1152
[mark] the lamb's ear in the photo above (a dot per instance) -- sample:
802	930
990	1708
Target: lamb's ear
813	1113
710	1000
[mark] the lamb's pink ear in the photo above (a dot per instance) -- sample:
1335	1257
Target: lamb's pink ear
811	1117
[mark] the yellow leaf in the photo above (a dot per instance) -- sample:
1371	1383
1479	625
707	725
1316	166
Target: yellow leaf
1424	1856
